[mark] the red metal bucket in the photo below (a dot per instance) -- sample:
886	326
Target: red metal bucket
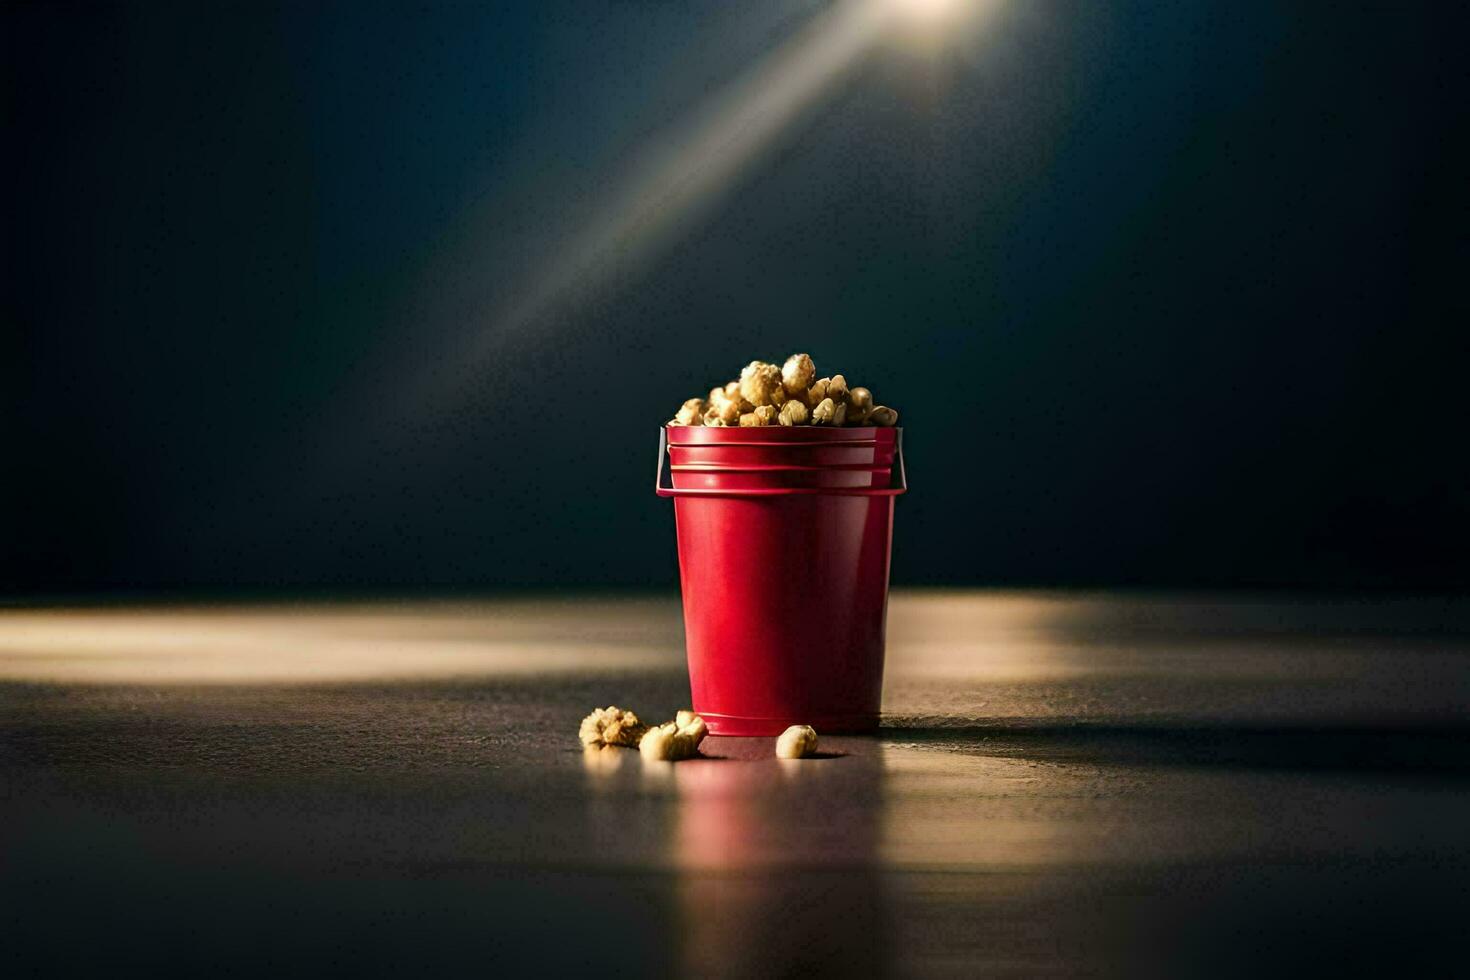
785	536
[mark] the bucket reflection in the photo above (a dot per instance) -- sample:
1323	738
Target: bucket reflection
777	864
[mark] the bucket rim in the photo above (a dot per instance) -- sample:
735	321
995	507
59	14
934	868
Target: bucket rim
768	435
775	467
898	486
782	492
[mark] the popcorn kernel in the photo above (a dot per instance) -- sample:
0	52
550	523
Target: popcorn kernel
883	415
797	742
690	413
674	740
725	410
611	726
797	373
758	381
795	412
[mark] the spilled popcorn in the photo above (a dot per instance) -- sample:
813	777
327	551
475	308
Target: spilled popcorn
671	741
796	742
675	740
611	726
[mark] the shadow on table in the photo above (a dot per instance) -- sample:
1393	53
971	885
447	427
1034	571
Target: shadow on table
1430	749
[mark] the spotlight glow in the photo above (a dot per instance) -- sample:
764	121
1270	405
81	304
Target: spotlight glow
927	11
702	158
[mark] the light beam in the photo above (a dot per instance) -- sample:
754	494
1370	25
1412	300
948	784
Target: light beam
705	157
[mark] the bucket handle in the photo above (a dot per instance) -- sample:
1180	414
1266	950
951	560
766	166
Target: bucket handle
899	484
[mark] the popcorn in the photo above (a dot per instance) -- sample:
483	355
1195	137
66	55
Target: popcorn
758	382
690	413
611	726
883	415
797	742
795	412
764	415
674	740
766	395
797	374
724	411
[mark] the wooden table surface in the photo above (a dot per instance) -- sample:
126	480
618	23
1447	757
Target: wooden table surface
1065	784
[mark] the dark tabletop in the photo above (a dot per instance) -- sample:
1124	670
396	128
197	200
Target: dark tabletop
1064	784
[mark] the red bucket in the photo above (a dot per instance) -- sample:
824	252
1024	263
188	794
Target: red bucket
785	536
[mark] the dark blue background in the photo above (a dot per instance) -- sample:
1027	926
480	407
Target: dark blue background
1166	293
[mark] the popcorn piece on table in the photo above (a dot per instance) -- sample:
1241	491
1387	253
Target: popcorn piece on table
675	740
796	742
611	726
